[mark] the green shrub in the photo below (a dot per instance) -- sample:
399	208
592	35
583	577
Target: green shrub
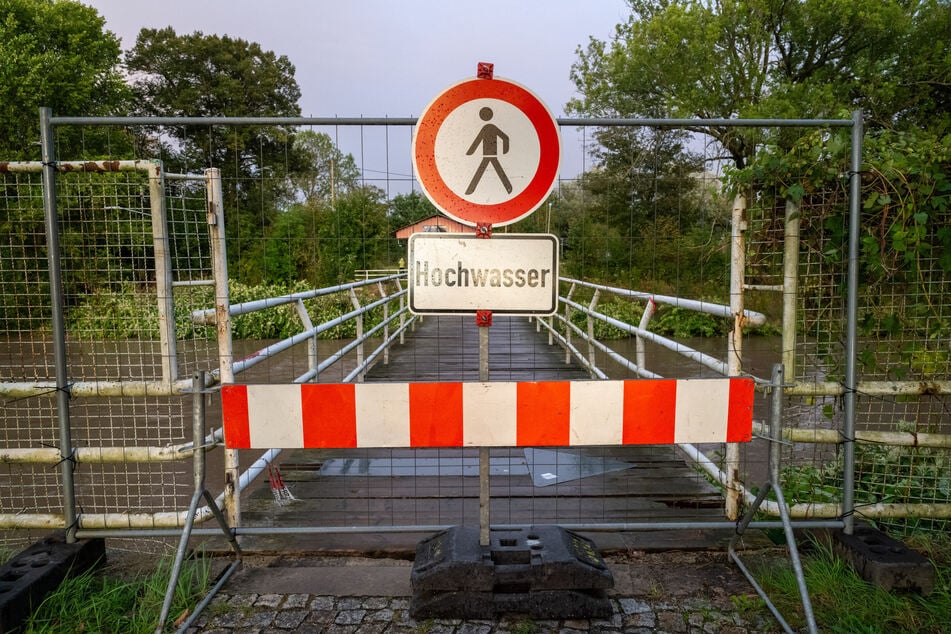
883	474
131	313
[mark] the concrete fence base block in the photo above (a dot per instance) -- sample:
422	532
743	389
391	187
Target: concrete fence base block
884	561
542	571
26	579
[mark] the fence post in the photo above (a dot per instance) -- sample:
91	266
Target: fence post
591	306
163	273
735	344
790	287
851	323
640	352
219	265
361	355
58	323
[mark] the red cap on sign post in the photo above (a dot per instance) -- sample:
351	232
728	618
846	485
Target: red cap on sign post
487	151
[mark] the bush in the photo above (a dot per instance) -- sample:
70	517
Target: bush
130	313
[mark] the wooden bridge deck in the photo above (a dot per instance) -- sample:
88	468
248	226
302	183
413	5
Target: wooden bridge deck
413	487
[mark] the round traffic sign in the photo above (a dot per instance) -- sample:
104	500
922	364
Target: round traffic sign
486	151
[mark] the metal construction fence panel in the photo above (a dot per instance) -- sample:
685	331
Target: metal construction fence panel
136	247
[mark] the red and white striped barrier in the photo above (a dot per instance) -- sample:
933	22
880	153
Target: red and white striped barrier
557	413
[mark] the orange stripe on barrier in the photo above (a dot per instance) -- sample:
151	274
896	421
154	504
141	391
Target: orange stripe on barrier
237	423
739	426
649	408
329	415
543	413
435	414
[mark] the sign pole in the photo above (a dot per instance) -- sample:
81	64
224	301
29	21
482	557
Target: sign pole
484	322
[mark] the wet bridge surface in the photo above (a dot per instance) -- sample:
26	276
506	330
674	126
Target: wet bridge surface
426	487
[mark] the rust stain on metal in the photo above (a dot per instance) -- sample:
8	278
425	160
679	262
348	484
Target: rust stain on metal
4	167
929	389
100	166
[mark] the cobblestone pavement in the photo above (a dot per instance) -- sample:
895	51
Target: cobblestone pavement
678	592
277	613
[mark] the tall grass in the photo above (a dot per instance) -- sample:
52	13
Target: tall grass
844	603
97	602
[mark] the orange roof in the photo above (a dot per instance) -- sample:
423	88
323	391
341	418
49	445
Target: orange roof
433	223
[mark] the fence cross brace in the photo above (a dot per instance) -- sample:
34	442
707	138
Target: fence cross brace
773	484
198	461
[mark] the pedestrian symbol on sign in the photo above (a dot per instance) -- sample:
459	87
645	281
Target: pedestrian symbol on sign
488	138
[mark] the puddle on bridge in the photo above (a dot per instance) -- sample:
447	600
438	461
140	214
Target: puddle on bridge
546	467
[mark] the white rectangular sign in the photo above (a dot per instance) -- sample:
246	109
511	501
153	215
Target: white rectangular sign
458	273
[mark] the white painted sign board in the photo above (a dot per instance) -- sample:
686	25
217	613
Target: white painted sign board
459	273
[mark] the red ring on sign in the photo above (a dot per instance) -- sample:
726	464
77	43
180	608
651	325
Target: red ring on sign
424	152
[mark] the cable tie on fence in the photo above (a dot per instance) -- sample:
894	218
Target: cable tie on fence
75	523
70	458
844	437
67	389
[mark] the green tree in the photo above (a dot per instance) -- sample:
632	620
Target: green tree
289	252
325	171
55	53
748	58
405	209
200	75
351	235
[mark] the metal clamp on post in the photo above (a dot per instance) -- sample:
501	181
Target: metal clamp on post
483	318
485	70
484	230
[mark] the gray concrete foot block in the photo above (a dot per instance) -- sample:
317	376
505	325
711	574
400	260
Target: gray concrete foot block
884	561
26	579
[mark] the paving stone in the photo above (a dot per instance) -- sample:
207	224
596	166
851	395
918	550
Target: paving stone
385	614
290	619
293	601
258	620
672	622
350	617
641	619
322	603
375	603
242	600
633	606
695	619
227	619
269	600
321	617
350	603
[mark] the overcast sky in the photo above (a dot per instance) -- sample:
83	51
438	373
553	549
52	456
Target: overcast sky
391	57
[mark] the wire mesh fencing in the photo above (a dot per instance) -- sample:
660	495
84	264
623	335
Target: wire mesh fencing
308	204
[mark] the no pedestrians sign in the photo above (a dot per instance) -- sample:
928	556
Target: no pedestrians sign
487	151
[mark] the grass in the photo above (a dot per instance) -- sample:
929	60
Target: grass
99	602
844	603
